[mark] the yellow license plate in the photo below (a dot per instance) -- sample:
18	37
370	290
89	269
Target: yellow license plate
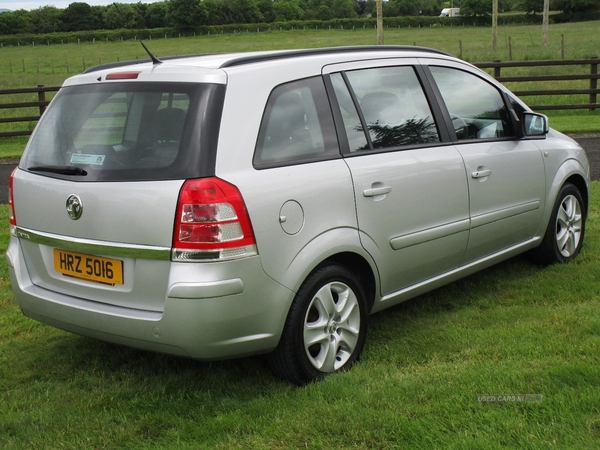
88	267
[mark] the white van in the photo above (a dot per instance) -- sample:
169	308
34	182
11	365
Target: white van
450	12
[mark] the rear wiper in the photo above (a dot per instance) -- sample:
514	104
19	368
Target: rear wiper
61	170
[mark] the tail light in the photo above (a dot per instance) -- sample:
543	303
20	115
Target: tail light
11	200
212	223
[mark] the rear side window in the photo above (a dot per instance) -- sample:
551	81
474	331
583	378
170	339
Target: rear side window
297	126
476	107
127	131
393	108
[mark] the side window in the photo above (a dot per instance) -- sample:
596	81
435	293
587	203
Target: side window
357	139
476	107
394	109
297	125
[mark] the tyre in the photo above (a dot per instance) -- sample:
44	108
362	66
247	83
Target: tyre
564	236
325	328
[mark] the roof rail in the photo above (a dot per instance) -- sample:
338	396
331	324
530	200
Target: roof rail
283	54
321	51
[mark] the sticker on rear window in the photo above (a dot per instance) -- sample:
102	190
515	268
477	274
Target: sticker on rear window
79	158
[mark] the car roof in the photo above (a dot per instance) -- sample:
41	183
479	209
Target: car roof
212	67
224	60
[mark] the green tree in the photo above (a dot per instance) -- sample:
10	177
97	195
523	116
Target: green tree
476	7
78	16
412	8
577	6
531	6
213	9
434	7
244	11
156	15
218	11
324	10
284	10
186	14
14	22
344	9
395	8
141	9
98	17
122	15
266	10
45	19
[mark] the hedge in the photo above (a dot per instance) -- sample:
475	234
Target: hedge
576	17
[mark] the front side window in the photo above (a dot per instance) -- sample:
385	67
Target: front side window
122	131
297	126
476	107
393	105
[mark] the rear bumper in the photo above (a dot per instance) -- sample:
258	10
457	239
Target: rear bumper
235	310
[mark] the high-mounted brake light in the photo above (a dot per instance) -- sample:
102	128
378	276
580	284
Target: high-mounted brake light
11	200
122	76
212	223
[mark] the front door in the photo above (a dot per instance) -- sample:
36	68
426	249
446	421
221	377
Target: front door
505	174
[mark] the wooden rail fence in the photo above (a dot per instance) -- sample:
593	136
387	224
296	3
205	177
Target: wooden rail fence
592	75
41	105
497	66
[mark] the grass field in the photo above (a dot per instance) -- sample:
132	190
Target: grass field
32	65
580	41
512	329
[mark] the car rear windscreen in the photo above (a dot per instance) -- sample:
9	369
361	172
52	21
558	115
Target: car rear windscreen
128	131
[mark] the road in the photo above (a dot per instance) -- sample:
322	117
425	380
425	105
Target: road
590	142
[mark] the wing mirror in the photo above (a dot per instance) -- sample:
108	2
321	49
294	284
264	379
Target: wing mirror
535	124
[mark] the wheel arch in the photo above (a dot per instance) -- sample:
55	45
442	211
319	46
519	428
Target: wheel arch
579	182
361	268
571	171
341	246
561	243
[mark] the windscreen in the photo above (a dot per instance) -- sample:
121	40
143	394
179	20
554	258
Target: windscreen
128	131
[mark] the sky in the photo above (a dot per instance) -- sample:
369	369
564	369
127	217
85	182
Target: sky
62	4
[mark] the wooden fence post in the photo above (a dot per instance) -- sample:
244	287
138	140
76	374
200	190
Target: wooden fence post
593	81
41	98
497	69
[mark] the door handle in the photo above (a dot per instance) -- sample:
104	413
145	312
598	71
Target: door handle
481	173
381	190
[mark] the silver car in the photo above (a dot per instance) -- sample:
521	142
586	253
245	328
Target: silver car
224	205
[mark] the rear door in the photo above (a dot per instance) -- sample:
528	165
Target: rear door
505	174
410	188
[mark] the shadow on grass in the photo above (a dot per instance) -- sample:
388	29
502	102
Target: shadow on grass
85	360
